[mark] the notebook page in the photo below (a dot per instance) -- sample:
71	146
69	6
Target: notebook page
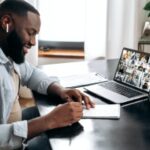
105	111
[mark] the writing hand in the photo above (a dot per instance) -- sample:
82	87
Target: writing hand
64	115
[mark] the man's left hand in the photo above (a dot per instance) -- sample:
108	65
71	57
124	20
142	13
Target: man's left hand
76	95
70	94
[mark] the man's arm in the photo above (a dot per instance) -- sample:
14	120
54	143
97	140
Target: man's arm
63	115
69	94
12	135
40	82
35	79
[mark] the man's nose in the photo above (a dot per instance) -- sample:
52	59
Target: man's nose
33	40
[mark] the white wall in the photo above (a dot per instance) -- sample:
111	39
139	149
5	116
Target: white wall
62	20
46	60
95	28
125	24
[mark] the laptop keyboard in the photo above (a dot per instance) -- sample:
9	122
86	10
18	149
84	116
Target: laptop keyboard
115	87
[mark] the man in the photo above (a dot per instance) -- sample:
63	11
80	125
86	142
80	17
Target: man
19	24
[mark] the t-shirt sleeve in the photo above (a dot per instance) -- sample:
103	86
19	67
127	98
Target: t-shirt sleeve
13	135
35	79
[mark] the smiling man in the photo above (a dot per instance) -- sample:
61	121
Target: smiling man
19	25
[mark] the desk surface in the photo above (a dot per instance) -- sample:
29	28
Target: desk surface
130	132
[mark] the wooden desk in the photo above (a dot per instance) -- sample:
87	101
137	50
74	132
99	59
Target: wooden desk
130	132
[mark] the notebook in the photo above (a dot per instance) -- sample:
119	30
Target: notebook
131	80
78	80
103	111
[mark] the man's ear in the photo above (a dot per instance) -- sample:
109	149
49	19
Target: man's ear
7	23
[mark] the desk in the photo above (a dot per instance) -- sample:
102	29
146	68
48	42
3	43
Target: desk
130	132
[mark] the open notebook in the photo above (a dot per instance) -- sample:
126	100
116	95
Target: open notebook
104	111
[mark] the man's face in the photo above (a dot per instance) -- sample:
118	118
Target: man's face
22	37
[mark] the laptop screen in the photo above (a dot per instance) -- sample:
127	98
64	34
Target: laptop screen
134	69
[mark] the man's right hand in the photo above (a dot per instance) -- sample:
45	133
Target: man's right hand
64	115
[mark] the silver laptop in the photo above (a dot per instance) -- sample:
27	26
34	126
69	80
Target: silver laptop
131	81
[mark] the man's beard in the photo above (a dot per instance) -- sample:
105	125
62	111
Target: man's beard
14	47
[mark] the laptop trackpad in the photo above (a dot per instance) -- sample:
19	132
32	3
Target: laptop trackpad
107	94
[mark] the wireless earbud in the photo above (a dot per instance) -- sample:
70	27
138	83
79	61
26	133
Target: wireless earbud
7	28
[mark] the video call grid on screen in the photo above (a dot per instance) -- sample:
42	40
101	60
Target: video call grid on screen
134	69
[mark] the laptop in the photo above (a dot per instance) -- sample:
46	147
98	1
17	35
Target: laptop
131	80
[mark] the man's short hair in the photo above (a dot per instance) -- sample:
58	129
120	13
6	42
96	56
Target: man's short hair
19	7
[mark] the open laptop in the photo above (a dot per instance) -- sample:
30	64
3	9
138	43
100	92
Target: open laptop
131	81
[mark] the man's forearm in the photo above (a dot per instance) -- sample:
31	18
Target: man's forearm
37	126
